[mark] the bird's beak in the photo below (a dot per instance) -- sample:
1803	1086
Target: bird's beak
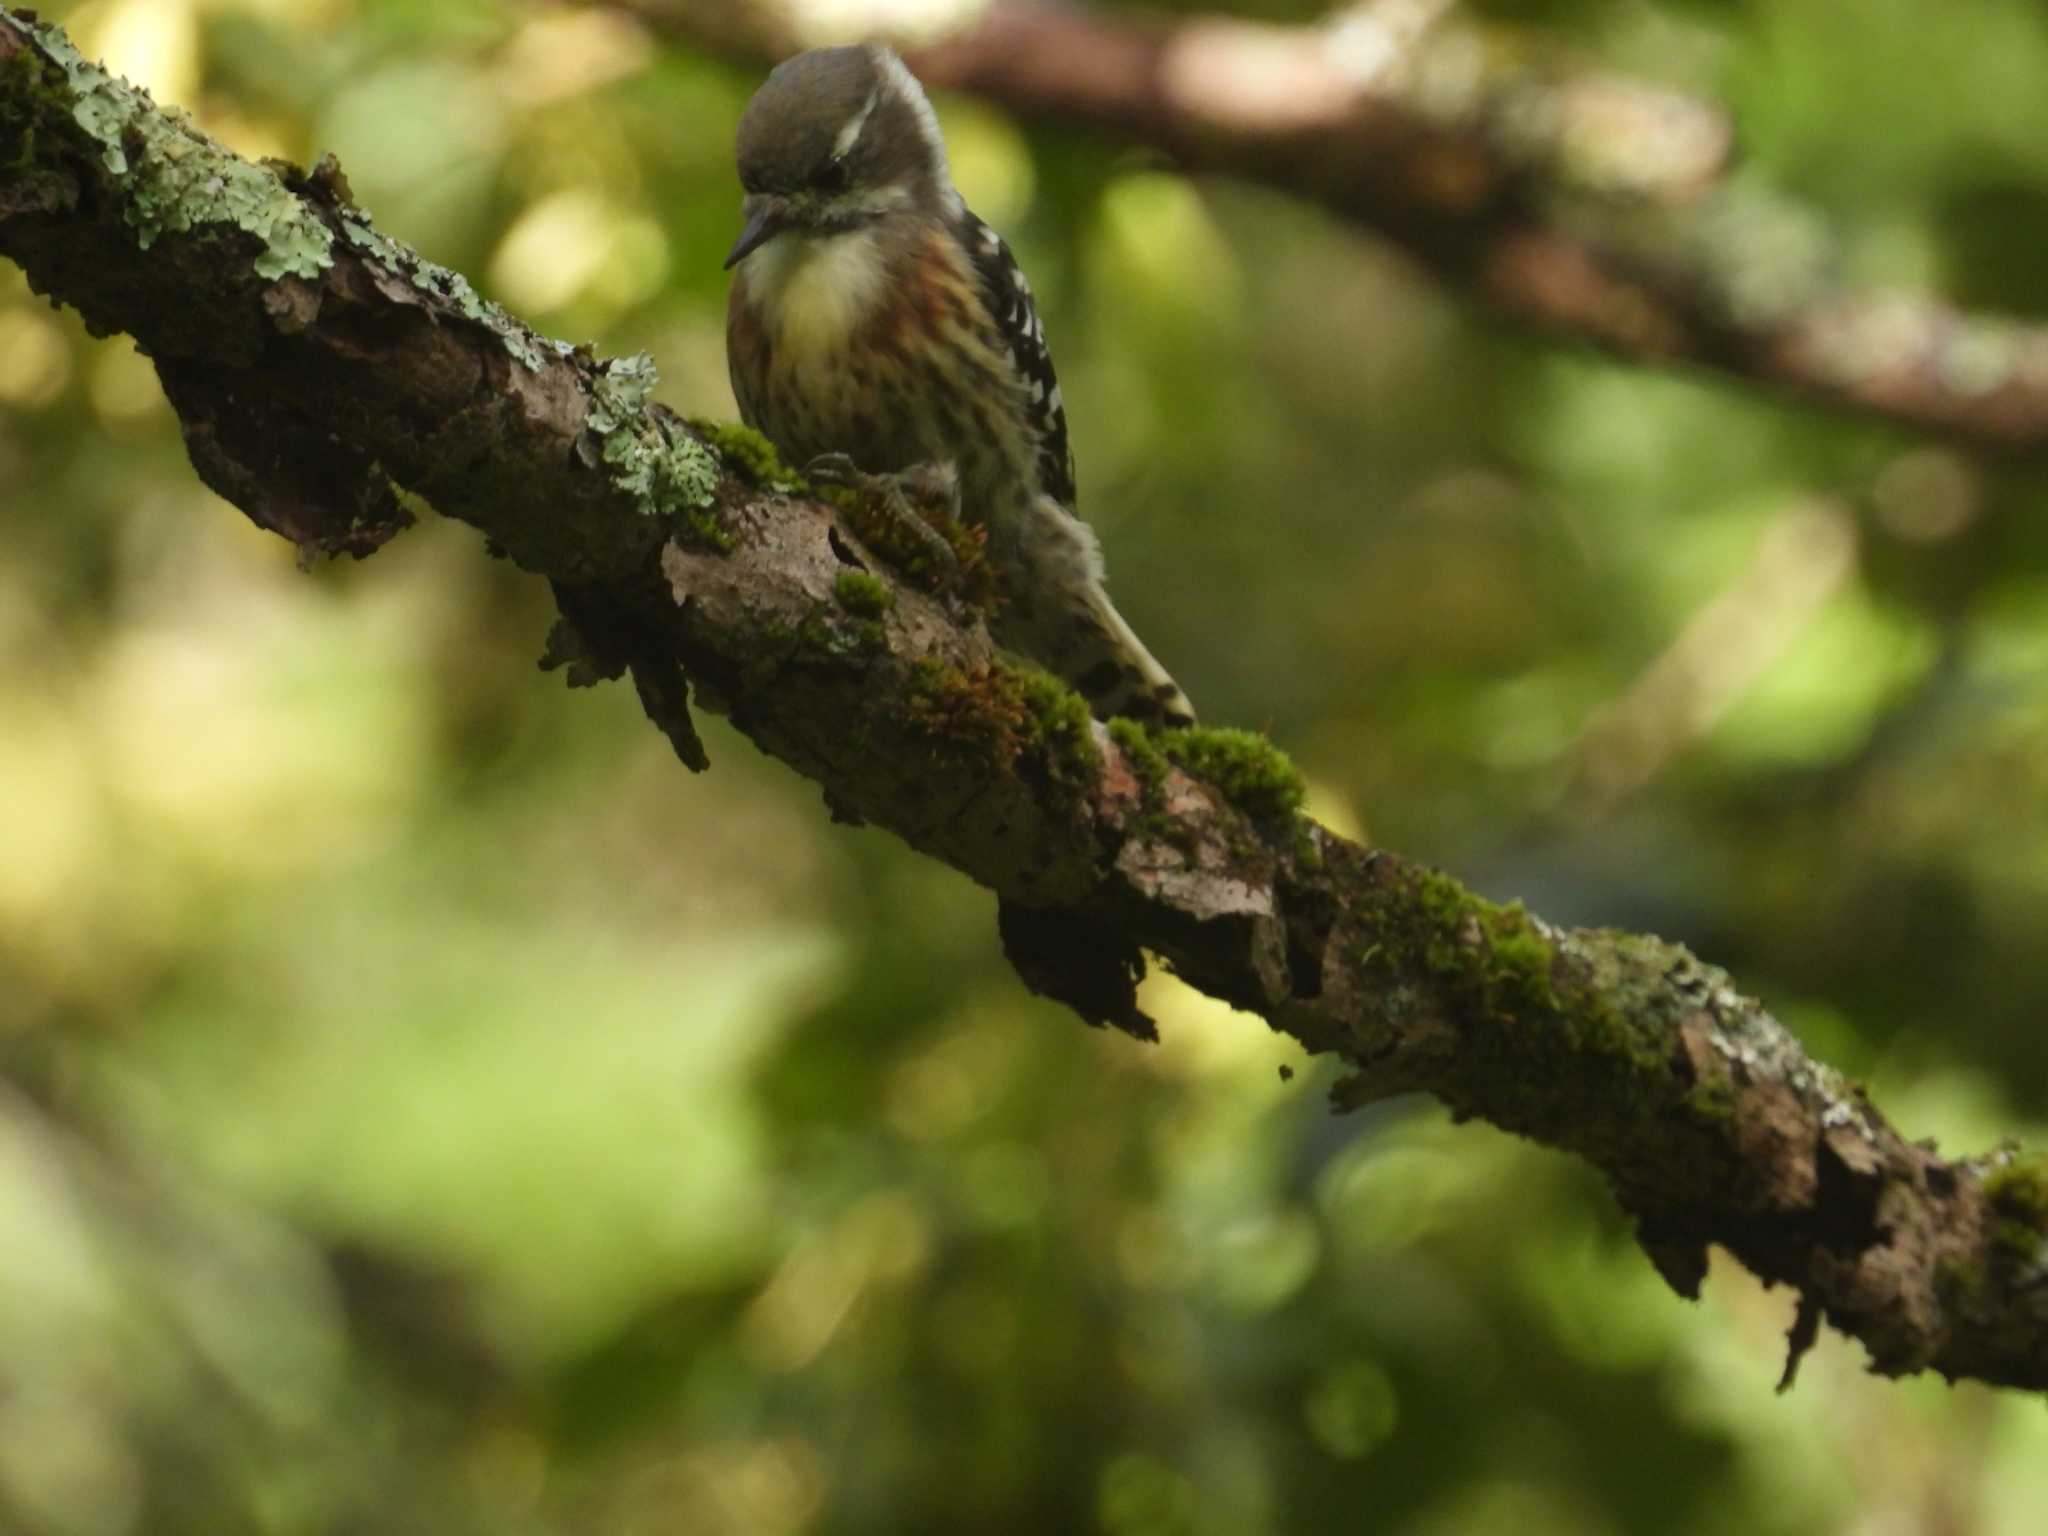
766	218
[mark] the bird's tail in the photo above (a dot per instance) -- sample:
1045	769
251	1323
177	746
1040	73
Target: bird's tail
1113	671
1057	611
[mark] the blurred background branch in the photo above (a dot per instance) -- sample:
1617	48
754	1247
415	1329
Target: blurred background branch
1801	561
1593	207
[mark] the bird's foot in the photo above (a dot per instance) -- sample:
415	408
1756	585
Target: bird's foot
898	499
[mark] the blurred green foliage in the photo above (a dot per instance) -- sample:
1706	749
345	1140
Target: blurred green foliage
424	1108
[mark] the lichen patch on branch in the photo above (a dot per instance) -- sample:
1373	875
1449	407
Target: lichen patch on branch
650	455
430	277
175	177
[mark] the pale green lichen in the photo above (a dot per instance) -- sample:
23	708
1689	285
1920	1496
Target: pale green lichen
446	283
431	277
648	455
176	178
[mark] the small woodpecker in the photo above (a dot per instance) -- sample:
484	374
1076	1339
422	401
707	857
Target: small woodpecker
877	328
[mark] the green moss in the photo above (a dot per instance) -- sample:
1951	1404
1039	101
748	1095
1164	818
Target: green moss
820	637
1146	760
2020	1190
863	594
2020	1242
1572	1037
1002	713
33	98
174	178
1542	1050
966	709
23	97
1253	774
751	454
869	601
2018	1193
1308	845
1520	957
880	527
1059	720
1712	1096
1150	767
649	456
1498	947
1634	993
1958	1281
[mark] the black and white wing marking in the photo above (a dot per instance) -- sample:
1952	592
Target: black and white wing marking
1008	298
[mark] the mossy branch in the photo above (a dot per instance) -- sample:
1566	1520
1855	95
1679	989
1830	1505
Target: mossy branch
320	381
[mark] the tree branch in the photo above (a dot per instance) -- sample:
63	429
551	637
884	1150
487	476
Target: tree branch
323	374
1591	207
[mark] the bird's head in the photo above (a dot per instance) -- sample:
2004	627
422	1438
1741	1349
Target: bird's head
834	139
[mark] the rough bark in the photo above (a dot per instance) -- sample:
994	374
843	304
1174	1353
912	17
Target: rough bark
319	370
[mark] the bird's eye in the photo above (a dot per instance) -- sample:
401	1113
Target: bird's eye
831	175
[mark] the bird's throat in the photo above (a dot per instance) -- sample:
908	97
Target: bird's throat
813	292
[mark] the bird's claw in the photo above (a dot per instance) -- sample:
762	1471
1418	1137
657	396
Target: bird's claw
893	493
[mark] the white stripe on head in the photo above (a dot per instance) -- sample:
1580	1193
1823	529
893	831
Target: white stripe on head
903	83
850	134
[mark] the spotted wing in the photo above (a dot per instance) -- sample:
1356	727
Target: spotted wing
1007	297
